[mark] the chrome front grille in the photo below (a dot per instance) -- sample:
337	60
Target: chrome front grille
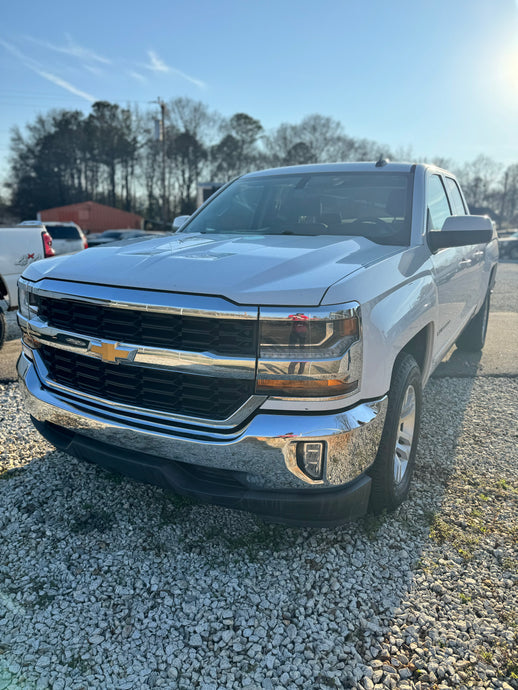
183	357
220	336
146	387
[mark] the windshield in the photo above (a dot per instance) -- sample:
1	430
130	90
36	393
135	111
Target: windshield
375	205
63	232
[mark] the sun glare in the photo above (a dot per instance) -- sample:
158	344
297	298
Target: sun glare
506	83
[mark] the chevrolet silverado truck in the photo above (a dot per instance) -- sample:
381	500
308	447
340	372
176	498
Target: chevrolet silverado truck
19	247
270	356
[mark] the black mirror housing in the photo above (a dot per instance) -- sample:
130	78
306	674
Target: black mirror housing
460	231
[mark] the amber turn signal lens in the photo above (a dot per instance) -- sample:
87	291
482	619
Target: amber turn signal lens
305	388
29	340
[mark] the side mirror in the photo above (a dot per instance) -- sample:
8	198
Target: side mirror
460	231
179	221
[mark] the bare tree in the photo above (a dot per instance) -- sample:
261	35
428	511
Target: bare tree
508	193
237	152
188	156
194	117
280	142
479	179
316	139
112	156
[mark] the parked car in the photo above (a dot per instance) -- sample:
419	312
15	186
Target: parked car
97	239
509	246
271	355
19	247
67	238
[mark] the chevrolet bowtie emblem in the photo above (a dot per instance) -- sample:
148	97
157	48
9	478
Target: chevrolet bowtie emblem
109	352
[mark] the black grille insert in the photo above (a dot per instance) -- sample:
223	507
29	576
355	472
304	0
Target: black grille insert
233	337
155	389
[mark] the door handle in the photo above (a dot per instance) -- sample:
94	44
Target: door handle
465	262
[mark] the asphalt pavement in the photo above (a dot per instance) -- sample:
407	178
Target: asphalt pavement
500	354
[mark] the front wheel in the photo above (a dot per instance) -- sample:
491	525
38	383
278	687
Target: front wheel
394	465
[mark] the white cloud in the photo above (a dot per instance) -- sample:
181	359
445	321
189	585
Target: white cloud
139	77
156	64
65	85
72	49
34	67
94	70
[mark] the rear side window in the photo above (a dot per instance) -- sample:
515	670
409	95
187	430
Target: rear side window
63	232
438	205
455	197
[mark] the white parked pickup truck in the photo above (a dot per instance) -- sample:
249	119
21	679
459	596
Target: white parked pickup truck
271	355
19	247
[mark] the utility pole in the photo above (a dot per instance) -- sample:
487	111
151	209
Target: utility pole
162	138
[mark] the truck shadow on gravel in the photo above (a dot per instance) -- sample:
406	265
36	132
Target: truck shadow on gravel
118	556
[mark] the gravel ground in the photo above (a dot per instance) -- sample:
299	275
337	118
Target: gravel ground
106	583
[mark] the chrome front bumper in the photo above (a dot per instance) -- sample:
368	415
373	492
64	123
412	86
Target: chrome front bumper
261	451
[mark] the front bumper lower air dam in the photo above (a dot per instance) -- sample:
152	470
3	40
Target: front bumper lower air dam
252	467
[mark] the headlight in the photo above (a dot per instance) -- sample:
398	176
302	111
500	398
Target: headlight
313	352
27	300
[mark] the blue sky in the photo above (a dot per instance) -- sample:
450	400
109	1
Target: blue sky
440	77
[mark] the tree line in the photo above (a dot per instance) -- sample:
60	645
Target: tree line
132	160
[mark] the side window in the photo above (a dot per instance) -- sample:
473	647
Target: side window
438	205
455	197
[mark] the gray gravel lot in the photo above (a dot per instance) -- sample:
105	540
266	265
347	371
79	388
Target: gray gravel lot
110	584
106	583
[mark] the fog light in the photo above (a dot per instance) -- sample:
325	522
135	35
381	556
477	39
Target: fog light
310	458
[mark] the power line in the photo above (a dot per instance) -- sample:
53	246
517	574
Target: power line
45	96
39	96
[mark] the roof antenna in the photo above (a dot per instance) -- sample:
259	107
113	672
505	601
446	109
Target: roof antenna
381	161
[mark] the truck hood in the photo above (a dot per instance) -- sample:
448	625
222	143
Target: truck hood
259	269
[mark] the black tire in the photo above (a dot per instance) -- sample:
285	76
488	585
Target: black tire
3	328
473	337
392	470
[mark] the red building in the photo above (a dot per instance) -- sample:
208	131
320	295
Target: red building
93	217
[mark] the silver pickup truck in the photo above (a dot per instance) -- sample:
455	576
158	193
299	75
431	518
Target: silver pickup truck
270	356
